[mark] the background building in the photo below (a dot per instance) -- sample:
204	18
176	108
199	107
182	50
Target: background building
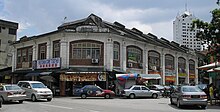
182	32
8	34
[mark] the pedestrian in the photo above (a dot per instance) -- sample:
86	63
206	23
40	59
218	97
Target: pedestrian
211	93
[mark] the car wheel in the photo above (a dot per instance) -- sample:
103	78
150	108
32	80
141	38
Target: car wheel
33	98
83	96
107	96
203	106
178	104
132	96
154	96
171	101
20	101
49	99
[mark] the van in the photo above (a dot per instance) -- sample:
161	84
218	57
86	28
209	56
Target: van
36	90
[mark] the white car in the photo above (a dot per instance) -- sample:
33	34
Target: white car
36	90
140	91
11	92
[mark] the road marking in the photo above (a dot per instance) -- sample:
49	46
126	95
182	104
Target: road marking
56	106
93	111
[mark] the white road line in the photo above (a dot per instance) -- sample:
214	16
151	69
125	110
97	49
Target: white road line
56	106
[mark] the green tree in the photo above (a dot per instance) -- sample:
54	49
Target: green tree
209	33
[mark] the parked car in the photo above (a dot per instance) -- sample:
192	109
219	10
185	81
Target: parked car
140	91
157	88
36	90
95	91
188	95
11	92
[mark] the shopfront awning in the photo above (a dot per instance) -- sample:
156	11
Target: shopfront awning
126	76
150	76
38	74
209	66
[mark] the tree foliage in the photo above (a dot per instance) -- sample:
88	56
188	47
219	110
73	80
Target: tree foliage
209	33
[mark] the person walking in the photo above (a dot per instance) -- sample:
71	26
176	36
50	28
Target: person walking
211	93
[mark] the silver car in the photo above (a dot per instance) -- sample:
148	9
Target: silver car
140	91
188	95
36	90
12	92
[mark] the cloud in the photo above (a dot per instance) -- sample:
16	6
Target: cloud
146	15
23	26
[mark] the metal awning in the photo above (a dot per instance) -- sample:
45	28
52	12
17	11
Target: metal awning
38	74
150	76
209	66
32	74
45	73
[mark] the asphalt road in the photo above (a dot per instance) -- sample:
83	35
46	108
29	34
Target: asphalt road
76	104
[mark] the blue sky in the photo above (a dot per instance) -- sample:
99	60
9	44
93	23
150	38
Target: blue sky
150	16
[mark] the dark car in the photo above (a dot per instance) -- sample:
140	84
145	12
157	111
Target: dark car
95	91
189	95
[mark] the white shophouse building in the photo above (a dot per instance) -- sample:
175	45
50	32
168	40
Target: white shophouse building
81	51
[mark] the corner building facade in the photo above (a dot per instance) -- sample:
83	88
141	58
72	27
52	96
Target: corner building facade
87	51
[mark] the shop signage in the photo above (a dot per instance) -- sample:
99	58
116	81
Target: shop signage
182	75
47	63
83	77
170	78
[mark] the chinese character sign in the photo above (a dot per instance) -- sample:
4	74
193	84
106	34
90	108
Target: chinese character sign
48	63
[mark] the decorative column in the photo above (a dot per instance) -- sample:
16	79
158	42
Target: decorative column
48	50
196	72
124	56
63	53
176	67
145	60
163	67
14	59
109	54
187	70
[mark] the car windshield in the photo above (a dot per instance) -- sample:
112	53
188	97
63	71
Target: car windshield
12	87
38	85
191	89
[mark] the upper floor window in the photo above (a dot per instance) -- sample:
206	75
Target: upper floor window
116	51
24	55
12	31
19	56
56	49
134	55
86	50
30	54
42	51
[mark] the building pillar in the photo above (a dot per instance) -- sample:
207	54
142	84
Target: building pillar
163	67
124	56
64	53
48	50
109	54
14	59
187	70
145	61
196	72
176	69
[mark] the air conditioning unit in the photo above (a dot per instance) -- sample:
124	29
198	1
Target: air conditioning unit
95	61
130	65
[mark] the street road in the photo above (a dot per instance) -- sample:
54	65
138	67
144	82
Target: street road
76	104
